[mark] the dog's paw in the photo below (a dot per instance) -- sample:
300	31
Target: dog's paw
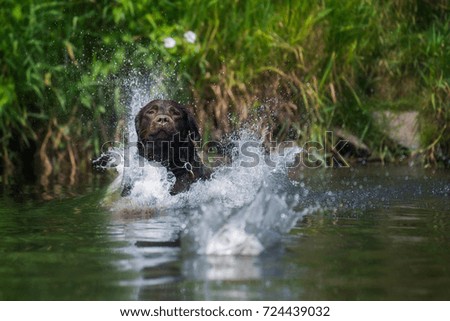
105	161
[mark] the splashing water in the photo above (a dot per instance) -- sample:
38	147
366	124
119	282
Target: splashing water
244	210
241	210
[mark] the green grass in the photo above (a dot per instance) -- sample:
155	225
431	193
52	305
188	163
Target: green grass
308	65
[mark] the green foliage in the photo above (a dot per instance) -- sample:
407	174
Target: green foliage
313	65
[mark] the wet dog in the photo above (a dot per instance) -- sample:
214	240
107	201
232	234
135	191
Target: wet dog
167	133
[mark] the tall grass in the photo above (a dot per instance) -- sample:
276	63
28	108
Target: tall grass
300	67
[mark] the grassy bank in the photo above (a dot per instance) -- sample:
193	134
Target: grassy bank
299	67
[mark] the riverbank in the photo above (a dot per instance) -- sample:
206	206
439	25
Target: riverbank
69	70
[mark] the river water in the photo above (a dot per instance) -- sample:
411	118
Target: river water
262	228
257	233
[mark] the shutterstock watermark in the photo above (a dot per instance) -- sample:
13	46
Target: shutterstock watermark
244	153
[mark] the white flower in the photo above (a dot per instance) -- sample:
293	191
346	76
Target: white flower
169	42
190	36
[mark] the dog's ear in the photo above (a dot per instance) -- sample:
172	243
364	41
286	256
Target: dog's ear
137	123
193	130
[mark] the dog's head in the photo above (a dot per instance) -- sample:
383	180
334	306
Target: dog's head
163	120
167	132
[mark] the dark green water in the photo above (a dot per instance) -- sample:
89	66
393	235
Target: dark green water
377	234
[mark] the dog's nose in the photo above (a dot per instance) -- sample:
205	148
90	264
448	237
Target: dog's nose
162	119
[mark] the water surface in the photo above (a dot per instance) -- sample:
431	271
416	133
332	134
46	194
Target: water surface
364	233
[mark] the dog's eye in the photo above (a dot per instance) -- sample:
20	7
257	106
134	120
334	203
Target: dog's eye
175	112
151	111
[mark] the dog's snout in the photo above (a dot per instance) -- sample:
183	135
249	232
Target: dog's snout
162	119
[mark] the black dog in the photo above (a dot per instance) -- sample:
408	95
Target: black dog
167	133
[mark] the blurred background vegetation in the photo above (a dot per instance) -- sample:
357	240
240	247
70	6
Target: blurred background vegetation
299	67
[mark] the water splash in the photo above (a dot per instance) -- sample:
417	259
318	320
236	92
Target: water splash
241	210
246	230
